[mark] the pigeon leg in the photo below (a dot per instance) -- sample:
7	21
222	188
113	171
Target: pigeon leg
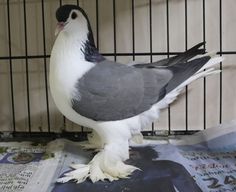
108	164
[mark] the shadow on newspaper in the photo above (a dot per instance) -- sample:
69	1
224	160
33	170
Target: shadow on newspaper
156	176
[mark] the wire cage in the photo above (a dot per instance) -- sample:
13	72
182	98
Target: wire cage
126	31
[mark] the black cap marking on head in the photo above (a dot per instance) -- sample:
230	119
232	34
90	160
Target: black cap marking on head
63	12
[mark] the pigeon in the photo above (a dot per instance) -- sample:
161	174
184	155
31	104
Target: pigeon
115	100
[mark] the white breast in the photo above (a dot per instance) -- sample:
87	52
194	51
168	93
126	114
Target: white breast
67	65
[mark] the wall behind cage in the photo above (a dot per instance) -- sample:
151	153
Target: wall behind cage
126	31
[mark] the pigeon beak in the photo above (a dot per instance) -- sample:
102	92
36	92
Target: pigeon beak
60	27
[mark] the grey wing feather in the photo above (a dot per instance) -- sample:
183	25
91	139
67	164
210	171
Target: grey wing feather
181	58
182	71
112	91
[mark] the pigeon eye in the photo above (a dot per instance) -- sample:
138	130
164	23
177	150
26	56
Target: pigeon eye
73	15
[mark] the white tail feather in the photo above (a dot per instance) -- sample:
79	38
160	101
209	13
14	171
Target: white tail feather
211	54
212	62
206	70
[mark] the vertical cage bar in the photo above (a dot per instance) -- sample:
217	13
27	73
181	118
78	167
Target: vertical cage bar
27	66
204	46
82	127
114	28
11	72
150	39
64	118
220	7
186	47
45	67
133	27
150	27
97	23
168	55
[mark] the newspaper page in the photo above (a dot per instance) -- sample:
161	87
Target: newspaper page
27	167
209	156
205	162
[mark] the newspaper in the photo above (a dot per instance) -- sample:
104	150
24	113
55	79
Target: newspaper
205	161
209	156
27	167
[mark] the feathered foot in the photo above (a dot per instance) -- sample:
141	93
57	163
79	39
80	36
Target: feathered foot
106	165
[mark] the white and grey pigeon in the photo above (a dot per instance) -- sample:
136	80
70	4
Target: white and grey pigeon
113	99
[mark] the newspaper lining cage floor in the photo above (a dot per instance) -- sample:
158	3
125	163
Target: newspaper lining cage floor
204	161
126	31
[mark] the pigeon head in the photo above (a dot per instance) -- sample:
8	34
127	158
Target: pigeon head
71	20
74	22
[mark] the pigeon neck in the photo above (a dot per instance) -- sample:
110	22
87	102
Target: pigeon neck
89	49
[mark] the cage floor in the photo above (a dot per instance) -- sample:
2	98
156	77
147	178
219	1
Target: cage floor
204	161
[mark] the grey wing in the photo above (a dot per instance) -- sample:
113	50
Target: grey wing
112	91
181	58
